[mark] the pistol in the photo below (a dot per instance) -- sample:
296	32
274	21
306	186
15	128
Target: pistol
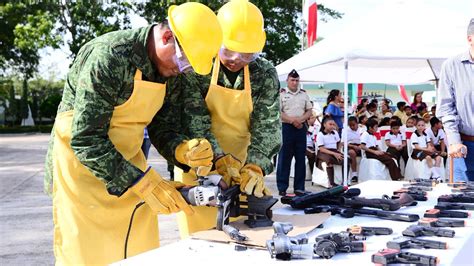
454	206
435	222
436	213
409	242
392	256
418	230
369	231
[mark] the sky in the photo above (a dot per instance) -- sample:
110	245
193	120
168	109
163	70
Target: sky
54	63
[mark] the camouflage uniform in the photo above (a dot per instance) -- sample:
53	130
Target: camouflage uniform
195	120
100	78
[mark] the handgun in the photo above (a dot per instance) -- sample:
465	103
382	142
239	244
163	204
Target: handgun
454	206
393	256
410	242
435	222
369	231
418	230
436	213
465	198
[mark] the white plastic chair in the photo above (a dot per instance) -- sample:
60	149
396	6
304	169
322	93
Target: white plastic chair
420	169
373	170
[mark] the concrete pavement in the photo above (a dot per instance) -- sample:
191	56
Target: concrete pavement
26	224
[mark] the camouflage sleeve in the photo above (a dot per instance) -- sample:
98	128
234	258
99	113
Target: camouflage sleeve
166	131
48	167
196	117
265	126
98	84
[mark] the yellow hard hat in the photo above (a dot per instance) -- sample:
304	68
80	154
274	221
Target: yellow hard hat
199	34
242	24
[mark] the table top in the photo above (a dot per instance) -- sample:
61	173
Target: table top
460	248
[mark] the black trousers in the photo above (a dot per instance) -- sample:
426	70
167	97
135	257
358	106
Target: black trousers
388	161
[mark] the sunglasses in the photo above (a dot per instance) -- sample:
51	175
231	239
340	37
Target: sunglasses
245	57
180	59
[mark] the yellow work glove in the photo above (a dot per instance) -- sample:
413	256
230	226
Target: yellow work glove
196	153
161	195
228	167
252	182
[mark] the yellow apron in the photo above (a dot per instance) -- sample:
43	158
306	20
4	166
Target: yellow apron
90	225
230	123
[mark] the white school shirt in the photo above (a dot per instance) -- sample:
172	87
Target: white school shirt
422	140
329	141
353	137
368	139
435	139
395	139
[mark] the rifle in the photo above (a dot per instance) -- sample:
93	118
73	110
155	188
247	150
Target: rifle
349	213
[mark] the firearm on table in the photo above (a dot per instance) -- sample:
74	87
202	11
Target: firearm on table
417	195
415	187
410	242
417	230
463	184
436	213
435	222
284	247
393	256
423	182
369	231
338	196
465	198
454	206
350	212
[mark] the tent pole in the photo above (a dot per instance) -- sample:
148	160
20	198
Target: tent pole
346	98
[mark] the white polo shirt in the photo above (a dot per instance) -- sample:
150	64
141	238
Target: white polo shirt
421	140
329	141
368	139
395	139
435	139
353	137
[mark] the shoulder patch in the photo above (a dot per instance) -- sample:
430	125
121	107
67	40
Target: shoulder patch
302	90
282	90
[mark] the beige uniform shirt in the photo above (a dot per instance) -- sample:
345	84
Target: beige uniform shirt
294	103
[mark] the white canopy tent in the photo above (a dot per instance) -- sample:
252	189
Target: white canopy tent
403	42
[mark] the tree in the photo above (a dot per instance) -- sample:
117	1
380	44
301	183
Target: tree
282	22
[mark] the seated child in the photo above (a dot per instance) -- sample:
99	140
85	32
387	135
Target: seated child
438	137
409	127
368	143
424	149
362	120
396	143
310	136
329	142
353	142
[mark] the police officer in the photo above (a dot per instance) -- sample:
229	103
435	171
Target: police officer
115	86
295	108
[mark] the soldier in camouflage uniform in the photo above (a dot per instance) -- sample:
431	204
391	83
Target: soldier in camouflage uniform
236	109
114	88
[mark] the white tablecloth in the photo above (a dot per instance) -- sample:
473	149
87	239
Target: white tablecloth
197	252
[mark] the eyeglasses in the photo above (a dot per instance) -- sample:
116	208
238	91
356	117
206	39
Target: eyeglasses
180	59
245	57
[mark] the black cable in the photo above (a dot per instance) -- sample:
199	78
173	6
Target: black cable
130	227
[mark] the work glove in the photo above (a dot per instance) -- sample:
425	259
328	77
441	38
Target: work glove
252	182
161	195
196	153
228	167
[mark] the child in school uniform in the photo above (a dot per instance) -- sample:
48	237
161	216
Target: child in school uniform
362	120
424	149
409	127
396	143
329	142
353	142
438	137
368	143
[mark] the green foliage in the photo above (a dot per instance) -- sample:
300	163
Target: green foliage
282	22
49	106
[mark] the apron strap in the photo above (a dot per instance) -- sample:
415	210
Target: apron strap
215	70
138	75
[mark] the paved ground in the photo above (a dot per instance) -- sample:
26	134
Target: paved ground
26	226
